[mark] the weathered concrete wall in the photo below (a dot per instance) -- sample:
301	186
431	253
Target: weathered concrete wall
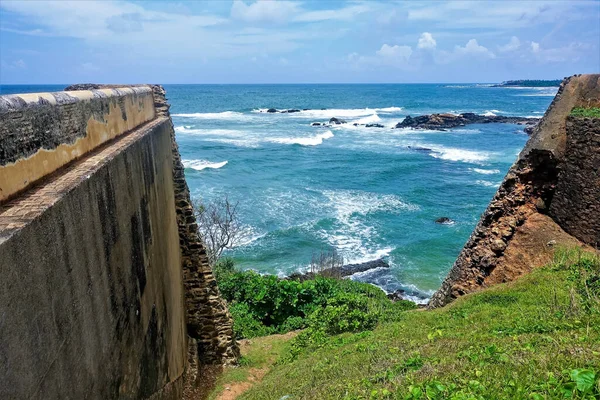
41	132
91	291
96	237
537	208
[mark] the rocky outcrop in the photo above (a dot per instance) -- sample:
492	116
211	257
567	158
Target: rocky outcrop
447	121
548	198
336	121
343	271
274	110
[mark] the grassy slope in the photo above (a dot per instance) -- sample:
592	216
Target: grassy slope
258	355
514	341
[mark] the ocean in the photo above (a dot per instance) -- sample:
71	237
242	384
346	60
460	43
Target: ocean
365	192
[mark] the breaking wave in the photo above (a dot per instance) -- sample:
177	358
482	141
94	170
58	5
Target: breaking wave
337	112
199	165
486	171
454	154
305	141
219	115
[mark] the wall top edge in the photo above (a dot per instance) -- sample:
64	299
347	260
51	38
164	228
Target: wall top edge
20	101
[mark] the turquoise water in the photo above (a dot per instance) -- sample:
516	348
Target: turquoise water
363	191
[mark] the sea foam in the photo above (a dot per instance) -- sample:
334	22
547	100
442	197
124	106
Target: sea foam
199	165
336	112
305	141
454	154
220	115
485	171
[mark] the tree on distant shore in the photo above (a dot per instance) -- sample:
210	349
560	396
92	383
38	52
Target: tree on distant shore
218	225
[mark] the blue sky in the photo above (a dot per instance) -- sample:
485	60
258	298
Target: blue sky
245	41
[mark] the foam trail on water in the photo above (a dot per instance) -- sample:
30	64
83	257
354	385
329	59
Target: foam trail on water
335	112
368	120
219	115
210	132
487	183
199	165
305	141
485	171
454	154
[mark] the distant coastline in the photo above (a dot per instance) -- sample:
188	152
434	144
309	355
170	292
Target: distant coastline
530	83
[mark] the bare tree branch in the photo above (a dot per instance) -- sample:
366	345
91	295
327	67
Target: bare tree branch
218	225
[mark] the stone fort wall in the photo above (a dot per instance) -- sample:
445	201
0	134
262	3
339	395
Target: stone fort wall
106	290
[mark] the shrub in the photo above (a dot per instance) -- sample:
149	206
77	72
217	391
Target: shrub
282	305
346	312
245	324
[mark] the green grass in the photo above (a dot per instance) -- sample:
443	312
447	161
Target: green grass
535	338
259	353
591	112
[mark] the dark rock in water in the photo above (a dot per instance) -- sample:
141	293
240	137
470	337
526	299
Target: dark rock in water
293	110
397	295
417	148
446	121
374	126
305	109
444	221
343	271
315	124
529	129
402	294
350	269
336	121
271	110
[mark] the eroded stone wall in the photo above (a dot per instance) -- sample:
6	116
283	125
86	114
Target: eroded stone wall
209	324
91	291
576	201
536	207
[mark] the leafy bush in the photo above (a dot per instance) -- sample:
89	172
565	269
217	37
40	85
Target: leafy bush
346	312
281	305
245	324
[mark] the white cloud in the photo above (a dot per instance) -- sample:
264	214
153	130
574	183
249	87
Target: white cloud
342	14
569	53
426	41
284	11
498	14
17	64
512	45
20	64
474	48
98	20
394	54
264	11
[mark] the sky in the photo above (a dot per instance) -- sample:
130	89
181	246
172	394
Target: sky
247	41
